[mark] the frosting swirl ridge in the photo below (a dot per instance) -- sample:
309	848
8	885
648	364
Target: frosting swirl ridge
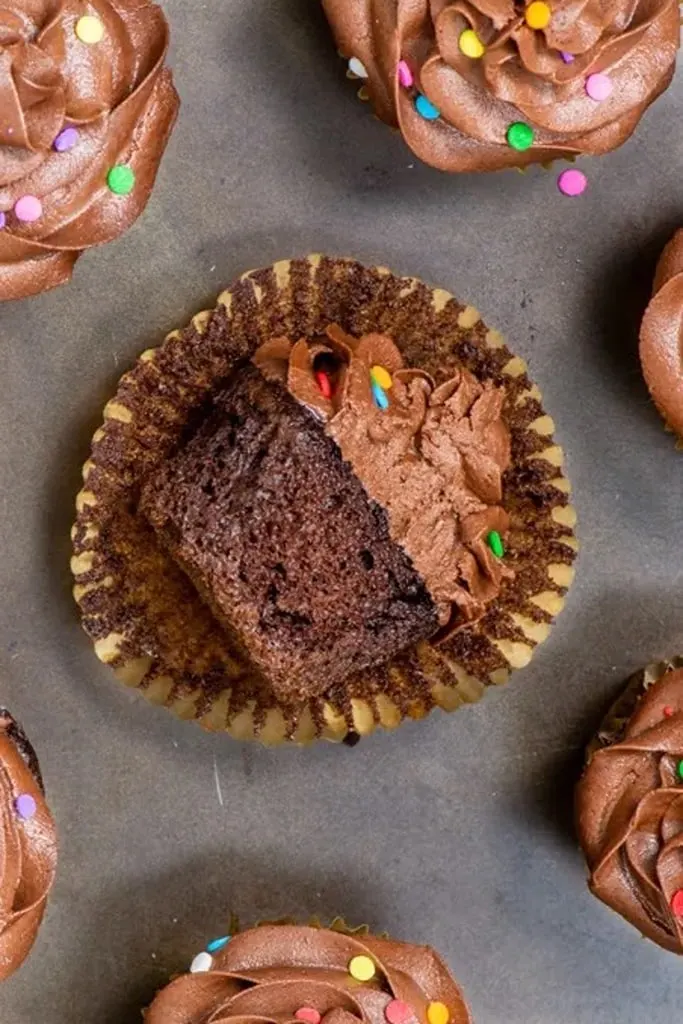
270	972
74	107
536	76
28	850
434	458
630	816
661	336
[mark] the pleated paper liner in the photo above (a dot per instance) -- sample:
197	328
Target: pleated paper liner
143	614
613	727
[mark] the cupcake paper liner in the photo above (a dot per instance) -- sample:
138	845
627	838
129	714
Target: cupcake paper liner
145	617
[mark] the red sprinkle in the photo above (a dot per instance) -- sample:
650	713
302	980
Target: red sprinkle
667	711
308	1014
325	385
398	1012
677	903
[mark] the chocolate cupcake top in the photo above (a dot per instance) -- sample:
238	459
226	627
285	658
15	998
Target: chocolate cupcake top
661	336
87	107
28	846
630	816
282	973
433	457
476	85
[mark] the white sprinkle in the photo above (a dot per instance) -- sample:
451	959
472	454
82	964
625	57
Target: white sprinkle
201	963
357	68
219	791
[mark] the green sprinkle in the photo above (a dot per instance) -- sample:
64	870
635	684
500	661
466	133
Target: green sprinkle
121	180
495	542
520	136
679	769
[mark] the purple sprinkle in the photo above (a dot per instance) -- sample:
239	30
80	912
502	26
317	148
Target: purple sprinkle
25	806
3	220
66	140
568	58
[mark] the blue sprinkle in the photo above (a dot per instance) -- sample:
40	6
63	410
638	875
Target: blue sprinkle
217	944
426	109
380	396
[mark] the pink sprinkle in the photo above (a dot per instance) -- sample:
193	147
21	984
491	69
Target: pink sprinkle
398	1012
568	58
405	75
572	183
308	1014
25	806
599	87
28	208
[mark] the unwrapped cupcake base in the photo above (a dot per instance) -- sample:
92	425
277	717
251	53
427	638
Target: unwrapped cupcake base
143	614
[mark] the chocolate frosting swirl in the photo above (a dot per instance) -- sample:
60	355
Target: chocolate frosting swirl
268	973
661	336
630	816
434	459
28	848
121	101
522	75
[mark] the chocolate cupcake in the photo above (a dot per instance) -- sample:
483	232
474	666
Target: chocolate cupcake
28	846
661	336
330	503
629	805
332	975
480	86
87	108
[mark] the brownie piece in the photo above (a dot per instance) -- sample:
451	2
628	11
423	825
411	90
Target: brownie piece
281	540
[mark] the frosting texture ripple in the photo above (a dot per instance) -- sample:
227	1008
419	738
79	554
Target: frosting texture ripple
661	336
538	76
83	90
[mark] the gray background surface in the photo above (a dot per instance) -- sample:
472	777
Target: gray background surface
454	831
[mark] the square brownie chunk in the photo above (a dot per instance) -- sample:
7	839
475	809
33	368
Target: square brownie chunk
281	540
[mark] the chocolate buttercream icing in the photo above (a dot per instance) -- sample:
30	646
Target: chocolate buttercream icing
269	972
537	77
28	847
630	816
661	336
434	458
120	100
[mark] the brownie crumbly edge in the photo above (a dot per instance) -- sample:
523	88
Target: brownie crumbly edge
144	616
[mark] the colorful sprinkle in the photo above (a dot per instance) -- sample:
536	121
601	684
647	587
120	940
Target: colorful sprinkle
677	903
25	806
3	220
201	963
216	944
66	139
567	57
495	542
426	109
324	383
380	376
471	45
572	183
121	180
28	209
520	136
89	29
405	75
599	87
438	1013
667	711
361	968
538	15
679	769
398	1012
379	394
357	68
308	1014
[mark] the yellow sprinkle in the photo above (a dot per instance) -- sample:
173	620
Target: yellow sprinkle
538	14
470	44
381	377
89	29
438	1013
362	969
